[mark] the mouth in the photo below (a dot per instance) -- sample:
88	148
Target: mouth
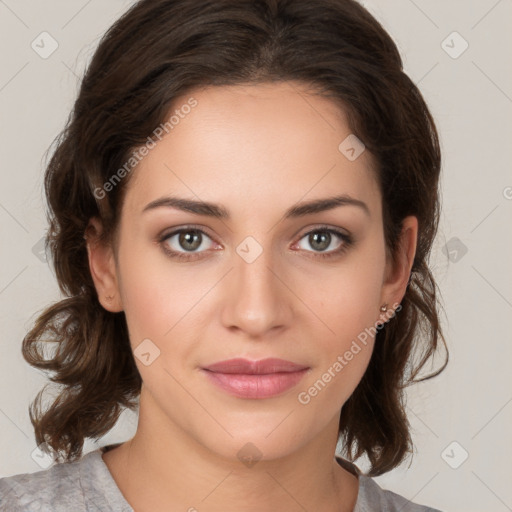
255	379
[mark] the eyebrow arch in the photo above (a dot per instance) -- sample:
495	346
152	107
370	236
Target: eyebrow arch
220	212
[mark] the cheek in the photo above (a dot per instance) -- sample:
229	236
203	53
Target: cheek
157	294
342	353
335	378
349	300
165	305
348	305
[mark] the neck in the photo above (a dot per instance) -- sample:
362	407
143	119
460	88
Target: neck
165	468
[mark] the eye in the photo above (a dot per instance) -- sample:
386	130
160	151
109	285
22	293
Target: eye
321	238
189	240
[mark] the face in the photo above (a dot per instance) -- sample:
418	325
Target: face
258	282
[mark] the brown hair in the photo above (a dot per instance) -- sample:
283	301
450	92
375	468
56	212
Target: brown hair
159	50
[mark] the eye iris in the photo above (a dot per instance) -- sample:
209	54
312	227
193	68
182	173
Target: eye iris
323	236
186	239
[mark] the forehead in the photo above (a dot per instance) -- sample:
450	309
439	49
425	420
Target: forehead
253	146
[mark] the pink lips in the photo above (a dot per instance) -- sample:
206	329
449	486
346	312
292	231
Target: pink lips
255	379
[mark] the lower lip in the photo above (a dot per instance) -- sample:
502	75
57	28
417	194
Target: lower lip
256	386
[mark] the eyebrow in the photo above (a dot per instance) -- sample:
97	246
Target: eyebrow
220	212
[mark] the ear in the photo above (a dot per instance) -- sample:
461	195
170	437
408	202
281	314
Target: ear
398	271
103	268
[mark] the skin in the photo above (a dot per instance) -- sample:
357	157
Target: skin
257	150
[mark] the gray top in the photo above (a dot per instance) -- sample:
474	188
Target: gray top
87	485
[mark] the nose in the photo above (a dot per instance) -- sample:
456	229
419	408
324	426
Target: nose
256	297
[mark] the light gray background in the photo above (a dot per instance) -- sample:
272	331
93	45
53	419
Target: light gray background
471	99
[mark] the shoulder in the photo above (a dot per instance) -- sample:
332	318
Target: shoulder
57	486
373	498
60	488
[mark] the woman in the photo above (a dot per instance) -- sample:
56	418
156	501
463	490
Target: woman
242	207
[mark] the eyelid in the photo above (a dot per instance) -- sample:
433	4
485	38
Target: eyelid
315	227
187	227
326	227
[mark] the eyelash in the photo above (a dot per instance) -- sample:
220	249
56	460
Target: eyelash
347	242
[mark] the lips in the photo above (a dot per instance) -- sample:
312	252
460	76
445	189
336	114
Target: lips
261	367
255	379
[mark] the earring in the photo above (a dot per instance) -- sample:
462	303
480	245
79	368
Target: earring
384	308
109	297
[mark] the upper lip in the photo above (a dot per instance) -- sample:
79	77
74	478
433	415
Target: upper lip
261	367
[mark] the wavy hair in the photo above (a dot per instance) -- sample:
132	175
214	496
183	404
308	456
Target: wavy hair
159	50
